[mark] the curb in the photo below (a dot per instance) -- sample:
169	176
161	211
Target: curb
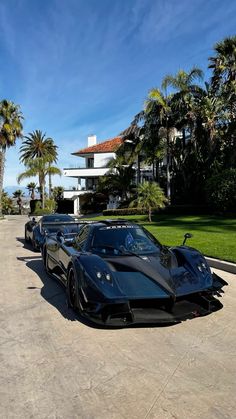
222	265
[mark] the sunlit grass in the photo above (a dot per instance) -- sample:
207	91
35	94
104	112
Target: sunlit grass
213	236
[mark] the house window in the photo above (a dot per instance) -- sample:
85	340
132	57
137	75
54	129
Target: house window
90	162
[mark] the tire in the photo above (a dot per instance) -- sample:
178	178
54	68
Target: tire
45	262
71	289
35	248
26	238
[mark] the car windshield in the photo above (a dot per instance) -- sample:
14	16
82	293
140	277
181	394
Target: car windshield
122	239
66	229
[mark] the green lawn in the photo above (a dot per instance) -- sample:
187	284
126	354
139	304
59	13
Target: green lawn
213	236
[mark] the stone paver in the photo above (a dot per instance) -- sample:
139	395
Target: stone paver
54	366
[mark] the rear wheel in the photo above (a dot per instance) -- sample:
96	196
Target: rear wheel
45	262
34	245
26	237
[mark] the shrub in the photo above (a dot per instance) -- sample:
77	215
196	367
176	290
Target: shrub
125	211
40	211
221	191
93	203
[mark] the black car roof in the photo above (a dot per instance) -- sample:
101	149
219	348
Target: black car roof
56	218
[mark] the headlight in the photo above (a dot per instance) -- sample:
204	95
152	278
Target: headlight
102	275
202	266
108	277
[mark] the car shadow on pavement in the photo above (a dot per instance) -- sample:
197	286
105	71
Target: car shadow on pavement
27	246
52	291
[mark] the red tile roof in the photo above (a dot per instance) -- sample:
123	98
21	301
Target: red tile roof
107	146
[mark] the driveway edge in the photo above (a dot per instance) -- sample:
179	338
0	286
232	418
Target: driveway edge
222	265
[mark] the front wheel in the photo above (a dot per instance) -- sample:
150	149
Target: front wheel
73	293
71	289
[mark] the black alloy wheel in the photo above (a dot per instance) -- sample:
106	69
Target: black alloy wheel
34	245
72	289
26	237
45	262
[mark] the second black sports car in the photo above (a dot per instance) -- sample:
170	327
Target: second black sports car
117	273
35	231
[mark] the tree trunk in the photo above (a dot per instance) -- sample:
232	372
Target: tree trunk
49	183
43	194
2	166
42	189
150	214
138	171
168	166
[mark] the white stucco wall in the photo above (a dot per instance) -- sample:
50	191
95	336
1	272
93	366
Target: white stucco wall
102	159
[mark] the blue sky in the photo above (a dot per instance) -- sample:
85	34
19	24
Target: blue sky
80	67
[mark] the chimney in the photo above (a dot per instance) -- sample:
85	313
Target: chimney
92	140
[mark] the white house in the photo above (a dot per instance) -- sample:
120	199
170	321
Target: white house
97	156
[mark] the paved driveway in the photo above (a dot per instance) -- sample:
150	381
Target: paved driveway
54	366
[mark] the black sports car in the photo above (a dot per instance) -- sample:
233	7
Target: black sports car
35	231
117	273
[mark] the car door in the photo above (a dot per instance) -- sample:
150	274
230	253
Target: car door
66	251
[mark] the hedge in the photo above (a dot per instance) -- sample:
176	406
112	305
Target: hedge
171	209
125	211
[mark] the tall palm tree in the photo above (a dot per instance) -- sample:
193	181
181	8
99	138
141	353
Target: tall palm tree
19	195
41	168
223	63
161	103
10	129
186	90
31	188
150	196
37	145
223	81
118	181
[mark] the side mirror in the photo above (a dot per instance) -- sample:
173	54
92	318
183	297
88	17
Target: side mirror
60	236
187	236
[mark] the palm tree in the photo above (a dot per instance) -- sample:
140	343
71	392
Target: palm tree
31	188
150	196
41	168
223	63
19	195
37	145
183	82
118	181
10	129
183	100
223	81
161	104
57	193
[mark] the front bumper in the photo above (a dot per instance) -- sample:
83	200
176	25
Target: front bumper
154	311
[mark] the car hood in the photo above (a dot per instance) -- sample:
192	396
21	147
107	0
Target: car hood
144	273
